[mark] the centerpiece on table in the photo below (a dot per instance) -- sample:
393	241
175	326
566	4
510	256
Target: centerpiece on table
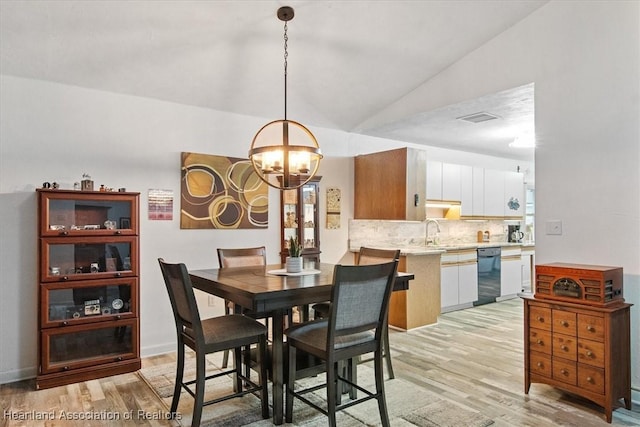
293	263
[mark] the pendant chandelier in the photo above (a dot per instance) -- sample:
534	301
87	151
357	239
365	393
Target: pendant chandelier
284	153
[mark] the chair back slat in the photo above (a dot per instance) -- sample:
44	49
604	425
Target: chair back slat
180	289
360	298
242	257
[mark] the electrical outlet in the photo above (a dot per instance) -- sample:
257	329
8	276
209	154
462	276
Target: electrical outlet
554	227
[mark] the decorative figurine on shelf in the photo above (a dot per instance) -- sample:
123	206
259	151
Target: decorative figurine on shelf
87	183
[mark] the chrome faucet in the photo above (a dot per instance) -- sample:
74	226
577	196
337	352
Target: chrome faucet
427	239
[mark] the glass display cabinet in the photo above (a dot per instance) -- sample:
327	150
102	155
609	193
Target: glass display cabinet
299	212
88	285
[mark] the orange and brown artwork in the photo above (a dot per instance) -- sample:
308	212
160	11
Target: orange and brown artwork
221	192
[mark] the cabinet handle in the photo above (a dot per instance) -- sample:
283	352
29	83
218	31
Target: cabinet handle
118	317
589	353
564	371
64	278
564	323
540	319
119	358
591	328
66	368
590	380
564	347
539	364
118	274
64	233
65	323
540	342
118	232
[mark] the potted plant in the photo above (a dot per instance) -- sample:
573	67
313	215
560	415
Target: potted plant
294	260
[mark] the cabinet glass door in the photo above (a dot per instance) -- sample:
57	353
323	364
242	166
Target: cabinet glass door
84	302
290	215
308	216
66	258
76	347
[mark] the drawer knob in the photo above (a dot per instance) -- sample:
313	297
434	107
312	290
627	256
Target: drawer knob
540	319
65	323
66	368
564	372
589	353
591	328
564	323
118	232
539	364
590	380
64	233
540	342
64	278
564	347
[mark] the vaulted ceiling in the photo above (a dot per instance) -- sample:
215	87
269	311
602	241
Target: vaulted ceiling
348	62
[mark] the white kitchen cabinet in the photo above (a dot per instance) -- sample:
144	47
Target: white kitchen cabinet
514	201
466	191
434	180
458	279
494	192
478	191
451	182
528	263
510	271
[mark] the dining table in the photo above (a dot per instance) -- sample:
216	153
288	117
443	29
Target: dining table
271	292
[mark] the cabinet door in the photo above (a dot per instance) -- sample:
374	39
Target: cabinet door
309	214
466	191
478	192
434	180
468	282
448	286
451	186
510	276
514	201
493	192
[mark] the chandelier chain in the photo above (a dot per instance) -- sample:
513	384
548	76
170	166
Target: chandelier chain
286	55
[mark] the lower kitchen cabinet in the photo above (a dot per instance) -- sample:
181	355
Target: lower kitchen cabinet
580	349
510	271
459	279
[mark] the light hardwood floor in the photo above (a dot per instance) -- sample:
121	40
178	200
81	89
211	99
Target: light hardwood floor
473	357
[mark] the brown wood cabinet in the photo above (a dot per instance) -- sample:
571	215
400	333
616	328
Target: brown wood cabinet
88	285
578	348
300	218
390	185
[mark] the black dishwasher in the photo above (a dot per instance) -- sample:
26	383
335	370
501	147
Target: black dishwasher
488	275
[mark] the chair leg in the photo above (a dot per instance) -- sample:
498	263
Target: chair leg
352	366
225	354
332	391
179	376
247	363
199	397
262	373
237	354
291	380
387	351
382	402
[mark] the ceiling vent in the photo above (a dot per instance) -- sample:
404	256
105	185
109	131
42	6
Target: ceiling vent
478	117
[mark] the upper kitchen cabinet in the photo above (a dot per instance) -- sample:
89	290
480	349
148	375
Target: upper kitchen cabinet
493	193
514	200
443	181
390	185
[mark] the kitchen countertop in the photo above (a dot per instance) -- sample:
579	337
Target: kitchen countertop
439	249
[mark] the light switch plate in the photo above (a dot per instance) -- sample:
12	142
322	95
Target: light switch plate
554	227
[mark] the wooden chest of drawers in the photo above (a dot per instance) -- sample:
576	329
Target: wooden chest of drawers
581	349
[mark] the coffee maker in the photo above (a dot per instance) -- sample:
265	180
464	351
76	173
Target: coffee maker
515	235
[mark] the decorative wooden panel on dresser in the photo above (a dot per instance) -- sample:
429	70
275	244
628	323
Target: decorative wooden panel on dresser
579	348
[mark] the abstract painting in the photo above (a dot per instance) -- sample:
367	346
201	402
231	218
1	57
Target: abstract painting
221	193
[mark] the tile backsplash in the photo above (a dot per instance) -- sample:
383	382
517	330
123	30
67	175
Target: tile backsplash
363	232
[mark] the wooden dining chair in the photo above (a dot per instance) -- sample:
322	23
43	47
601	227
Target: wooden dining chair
239	257
367	256
355	326
232	331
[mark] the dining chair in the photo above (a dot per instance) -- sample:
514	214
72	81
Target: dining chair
355	326
239	257
233	331
368	256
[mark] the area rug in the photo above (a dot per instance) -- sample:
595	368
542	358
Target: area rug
408	404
